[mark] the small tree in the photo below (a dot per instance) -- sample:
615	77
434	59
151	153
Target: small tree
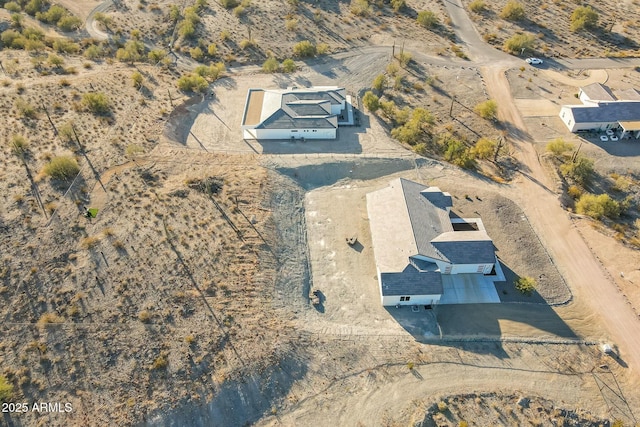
271	65
487	109
559	147
69	23
519	42
513	11
580	169
62	167
598	206
427	19
526	285
584	17
304	49
156	55
212	49
96	102
371	101
288	65
192	83
196	53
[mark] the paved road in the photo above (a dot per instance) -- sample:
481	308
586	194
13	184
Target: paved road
587	280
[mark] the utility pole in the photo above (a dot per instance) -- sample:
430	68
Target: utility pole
55	131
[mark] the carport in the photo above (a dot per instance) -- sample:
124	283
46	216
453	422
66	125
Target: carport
632	127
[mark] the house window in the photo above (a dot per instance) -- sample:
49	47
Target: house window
294	130
315	130
405	298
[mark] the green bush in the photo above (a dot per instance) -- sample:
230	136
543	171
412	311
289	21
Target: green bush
131	52
583	17
559	147
487	109
397	5
304	49
271	65
93	52
526	285
12	7
360	7
53	15
477	6
25	109
186	29
288	65
192	83
513	11
65	46
415	128
212	49
427	19
34	6
156	55
6	389
484	148
518	42
196	53
379	82
19	144
69	23
598	206
62	167
96	102
137	79
371	101
580	170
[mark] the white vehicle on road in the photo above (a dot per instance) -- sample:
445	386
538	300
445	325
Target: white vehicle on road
534	61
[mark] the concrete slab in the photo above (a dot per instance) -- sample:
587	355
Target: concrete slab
468	289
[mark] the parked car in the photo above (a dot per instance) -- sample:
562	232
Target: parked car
534	61
604	138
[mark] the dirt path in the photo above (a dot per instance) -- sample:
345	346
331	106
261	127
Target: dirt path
596	76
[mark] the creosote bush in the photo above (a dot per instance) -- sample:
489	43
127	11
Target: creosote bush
427	19
598	206
96	102
513	11
6	389
584	17
304	49
526	285
62	167
559	147
518	42
487	109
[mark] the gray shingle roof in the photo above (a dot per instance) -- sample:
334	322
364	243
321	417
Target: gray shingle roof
411	282
606	112
466	247
629	95
428	221
598	92
326	95
281	120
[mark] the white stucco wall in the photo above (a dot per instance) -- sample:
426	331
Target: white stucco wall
288	133
392	300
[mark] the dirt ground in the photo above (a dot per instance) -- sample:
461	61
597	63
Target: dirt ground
618	33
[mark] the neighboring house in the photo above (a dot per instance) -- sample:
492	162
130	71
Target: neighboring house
601	110
416	238
296	113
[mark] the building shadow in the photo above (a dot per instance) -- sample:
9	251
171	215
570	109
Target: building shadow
627	147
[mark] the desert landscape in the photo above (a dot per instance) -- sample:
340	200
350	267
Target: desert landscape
159	269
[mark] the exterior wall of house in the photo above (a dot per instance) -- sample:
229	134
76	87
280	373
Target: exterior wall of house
336	109
392	300
446	268
289	133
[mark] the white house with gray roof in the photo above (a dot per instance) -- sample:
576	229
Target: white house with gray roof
417	239
296	113
601	109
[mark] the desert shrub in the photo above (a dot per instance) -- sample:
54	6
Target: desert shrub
513	11
144	316
192	83
379	82
526	285
271	65
398	82
484	148
622	183
360	7
598	206
186	29
34	6
9	36
477	6
442	406
574	192
371	101
404	58
421	149
211	72
238	11
322	48
65	46
392	69
559	147
212	49
62	167
291	24
55	60
304	49
131	52
397	5
13	7
580	169
487	109
31	33
427	19
137	79
246	43
228	4
156	55
103	19
196	53
517	42
25	109
415	128
93	52
161	362
6	389
54	14
288	65
133	149
49	318
388	109
96	102
69	23
225	35
584	17
66	132
19	144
